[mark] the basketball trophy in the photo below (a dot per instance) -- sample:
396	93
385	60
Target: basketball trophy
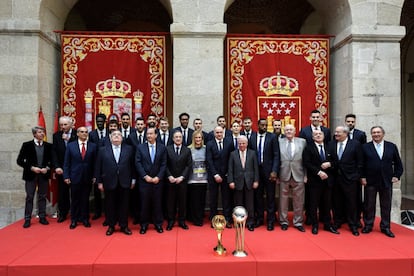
239	219
219	222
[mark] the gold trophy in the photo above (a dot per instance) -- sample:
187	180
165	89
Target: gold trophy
219	222
239	219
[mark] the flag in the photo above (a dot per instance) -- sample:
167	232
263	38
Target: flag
53	183
41	121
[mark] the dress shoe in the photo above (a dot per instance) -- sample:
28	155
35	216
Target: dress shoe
331	229
250	227
315	230
105	223
170	226
183	225
73	225
61	219
96	216
26	223
110	231
198	224
87	224
43	221
284	227
143	229
270	226
388	232
366	230
300	228
126	230
258	223
159	228
355	231
228	225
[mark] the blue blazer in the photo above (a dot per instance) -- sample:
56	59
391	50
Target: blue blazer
112	174
144	165
271	152
360	136
77	170
379	172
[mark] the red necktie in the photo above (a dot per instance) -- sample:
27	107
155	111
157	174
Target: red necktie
83	153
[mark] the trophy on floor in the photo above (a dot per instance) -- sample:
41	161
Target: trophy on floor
219	222
239	219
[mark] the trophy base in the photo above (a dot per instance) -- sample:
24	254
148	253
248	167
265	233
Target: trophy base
220	251
239	253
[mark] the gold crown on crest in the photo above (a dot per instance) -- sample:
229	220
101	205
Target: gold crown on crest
278	84
113	88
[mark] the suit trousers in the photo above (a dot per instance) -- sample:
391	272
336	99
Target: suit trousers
319	192
345	203
30	186
268	187
298	197
177	199
245	198
151	206
79	209
385	197
197	201
97	200
117	203
226	198
63	197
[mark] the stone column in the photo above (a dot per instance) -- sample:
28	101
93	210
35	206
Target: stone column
366	82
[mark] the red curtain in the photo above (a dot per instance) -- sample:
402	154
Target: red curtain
281	78
112	74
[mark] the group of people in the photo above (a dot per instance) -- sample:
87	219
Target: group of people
155	174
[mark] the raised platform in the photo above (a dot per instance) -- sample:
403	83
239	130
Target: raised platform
57	250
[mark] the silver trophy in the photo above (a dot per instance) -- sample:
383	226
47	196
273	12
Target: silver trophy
239	219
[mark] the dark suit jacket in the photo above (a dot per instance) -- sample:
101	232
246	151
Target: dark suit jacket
351	163
271	153
379	172
227	133
179	165
252	133
143	163
27	158
94	138
59	148
133	138
360	136
112	174
77	170
240	176
312	162
170	136
190	132
217	161
306	133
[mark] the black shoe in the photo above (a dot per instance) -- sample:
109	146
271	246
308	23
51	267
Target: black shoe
258	223
96	216
284	227
366	230
388	232
43	221
26	223
73	224
270	226
331	229
300	228
87	224
105	223
198	224
250	227
183	225
355	231
159	228
110	231
143	229
126	230
61	219
170	226
315	230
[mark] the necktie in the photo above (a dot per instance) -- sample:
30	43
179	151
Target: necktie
140	139
152	153
378	148
321	153
102	135
235	143
125	133
163	138
289	149
83	152
341	150
243	159
248	135
259	149
185	136
117	153
177	150
220	146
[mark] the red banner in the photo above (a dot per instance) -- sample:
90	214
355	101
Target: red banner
112	74
278	78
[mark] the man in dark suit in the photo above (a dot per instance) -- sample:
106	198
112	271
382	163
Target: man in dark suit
179	165
235	134
151	163
198	125
184	129
247	128
165	133
382	168
346	161
78	170
61	138
221	122
115	175
243	178
97	137
217	157
277	129
35	157
125	125
266	146
314	157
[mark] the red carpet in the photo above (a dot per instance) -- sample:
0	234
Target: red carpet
43	250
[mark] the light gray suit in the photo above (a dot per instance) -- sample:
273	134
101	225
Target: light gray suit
291	174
